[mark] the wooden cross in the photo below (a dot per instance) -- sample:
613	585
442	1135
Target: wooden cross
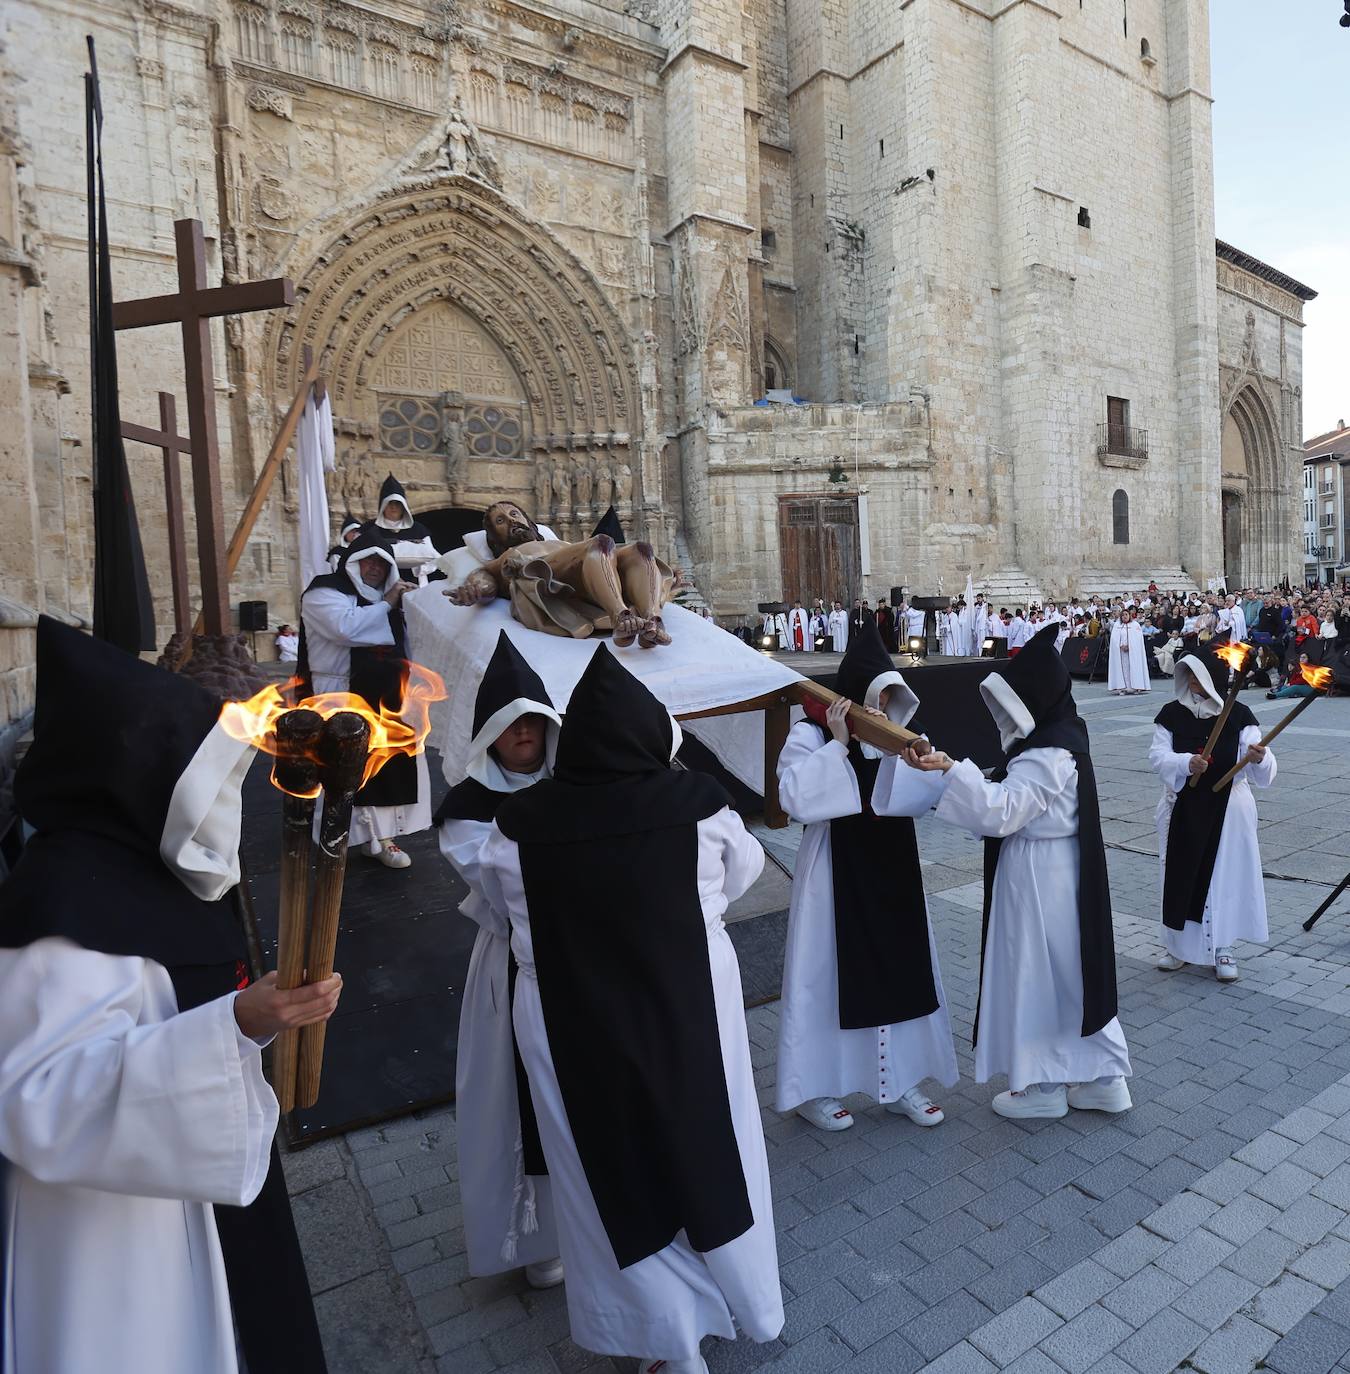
193	306
171	444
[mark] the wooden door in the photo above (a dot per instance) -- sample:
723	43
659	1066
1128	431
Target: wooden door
818	544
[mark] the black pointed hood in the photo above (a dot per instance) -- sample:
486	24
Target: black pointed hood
510	689
866	670
609	524
1034	690
135	798
349	522
613	774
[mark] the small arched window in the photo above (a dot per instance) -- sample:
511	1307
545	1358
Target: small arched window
1120	518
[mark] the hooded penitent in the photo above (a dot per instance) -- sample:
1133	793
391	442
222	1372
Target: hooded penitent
624	976
135	800
376	672
405	527
880	917
1199	811
510	689
1032	703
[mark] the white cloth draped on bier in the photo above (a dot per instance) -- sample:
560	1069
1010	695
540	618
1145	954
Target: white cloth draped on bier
315	455
703	667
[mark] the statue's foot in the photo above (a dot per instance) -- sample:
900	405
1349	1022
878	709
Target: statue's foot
627	627
653	633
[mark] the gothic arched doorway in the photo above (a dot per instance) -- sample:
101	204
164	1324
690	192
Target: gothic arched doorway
1232	540
1259	541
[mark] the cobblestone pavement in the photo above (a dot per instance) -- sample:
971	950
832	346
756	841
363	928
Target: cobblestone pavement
1207	1229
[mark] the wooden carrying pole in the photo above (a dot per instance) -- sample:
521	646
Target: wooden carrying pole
296	772
777	708
343	746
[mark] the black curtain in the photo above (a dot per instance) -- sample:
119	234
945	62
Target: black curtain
123	612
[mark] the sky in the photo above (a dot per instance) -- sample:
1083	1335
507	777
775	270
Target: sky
1282	168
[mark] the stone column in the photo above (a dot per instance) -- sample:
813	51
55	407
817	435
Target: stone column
1195	302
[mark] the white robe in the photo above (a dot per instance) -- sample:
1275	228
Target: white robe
816	1058
979	629
1128	672
1018	632
949	634
334	625
122	1121
838	631
1031	991
799	620
508	1216
1235	908
997	629
916	624
780	622
660	1307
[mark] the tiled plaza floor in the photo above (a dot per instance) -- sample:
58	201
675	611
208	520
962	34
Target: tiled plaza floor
1207	1229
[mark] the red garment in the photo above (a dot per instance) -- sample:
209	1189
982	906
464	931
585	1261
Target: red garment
797	637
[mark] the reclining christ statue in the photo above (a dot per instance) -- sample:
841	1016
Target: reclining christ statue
564	588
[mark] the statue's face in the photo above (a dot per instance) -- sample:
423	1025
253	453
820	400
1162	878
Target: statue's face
507	526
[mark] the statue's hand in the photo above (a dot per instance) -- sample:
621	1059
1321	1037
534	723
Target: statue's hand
475	590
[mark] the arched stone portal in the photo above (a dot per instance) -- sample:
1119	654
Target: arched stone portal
1256	497
540	401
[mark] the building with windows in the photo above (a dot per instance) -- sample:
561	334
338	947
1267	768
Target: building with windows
1326	506
561	251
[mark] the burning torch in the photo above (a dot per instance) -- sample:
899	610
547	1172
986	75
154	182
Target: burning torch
1238	657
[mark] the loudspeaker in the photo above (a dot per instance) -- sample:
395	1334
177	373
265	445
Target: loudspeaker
897	595
253	615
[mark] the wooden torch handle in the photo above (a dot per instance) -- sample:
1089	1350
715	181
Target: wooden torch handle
342	759
295	771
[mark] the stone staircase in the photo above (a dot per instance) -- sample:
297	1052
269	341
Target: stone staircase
1009	587
1108	582
688	594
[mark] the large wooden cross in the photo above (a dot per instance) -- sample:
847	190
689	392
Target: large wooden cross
171	444
193	306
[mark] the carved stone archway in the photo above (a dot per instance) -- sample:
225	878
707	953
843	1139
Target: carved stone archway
1257	497
436	236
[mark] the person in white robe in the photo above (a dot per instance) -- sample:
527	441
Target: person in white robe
979	629
820	627
1212	891
916	623
949	633
503	1183
353	638
667	1236
1047	1011
799	630
998	629
838	628
411	541
1127	660
783	630
145	1222
1019	631
844	963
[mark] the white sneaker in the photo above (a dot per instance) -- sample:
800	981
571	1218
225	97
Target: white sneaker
1225	966
391	856
695	1366
920	1109
826	1114
1101	1097
544	1273
1035	1101
1169	963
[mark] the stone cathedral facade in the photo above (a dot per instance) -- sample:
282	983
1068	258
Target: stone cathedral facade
561	251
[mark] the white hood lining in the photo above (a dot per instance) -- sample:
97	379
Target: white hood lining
406	523
366	593
484	768
1187	667
200	841
1009	711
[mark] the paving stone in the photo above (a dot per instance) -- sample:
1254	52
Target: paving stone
814	1267
817	1354
1078	1288
476	1325
1140	1296
1013	1279
889	1356
961	1359
1335	1187
1080	1345
1224	1183
1266	1151
1285	1184
1313	1346
1307	1220
1239	1345
1263	1258
944	1325
1161	1343
1015	1331
865	1323
1129	1253
1120	1212
1285	1303
1304	1124
1179	1217
1326	1263
1238	1221
942	1277
1215	1297
815	1309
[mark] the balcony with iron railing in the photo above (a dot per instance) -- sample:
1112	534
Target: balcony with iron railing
1121	442
1326	488
1328	521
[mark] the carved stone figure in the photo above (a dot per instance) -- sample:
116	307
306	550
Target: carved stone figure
585	481
543	488
623	485
604	483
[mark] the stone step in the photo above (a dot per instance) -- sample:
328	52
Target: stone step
1108	582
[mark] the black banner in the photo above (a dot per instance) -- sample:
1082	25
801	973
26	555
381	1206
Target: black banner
1083	655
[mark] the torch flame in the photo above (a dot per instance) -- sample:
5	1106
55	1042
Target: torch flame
392	732
1234	655
1319	679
